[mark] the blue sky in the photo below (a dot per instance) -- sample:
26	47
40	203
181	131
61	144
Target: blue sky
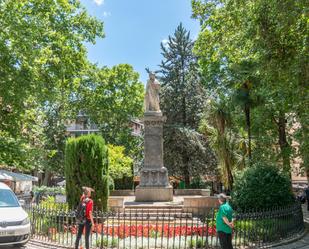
134	30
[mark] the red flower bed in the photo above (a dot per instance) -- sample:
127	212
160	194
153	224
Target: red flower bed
123	231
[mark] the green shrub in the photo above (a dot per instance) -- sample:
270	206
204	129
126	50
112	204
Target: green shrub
40	193
262	186
125	182
44	190
111	243
86	164
198	183
200	243
50	204
120	167
191	243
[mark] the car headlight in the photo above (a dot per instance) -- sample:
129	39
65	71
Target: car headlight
25	221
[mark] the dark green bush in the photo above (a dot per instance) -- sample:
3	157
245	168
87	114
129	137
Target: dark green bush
86	164
262	186
198	183
111	184
126	182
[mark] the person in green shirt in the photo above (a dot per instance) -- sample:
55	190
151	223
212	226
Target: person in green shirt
224	222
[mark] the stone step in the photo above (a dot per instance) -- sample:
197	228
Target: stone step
145	216
133	219
157	214
152	209
146	211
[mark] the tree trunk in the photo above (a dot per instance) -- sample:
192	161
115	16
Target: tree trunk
184	115
47	177
283	143
230	179
248	124
186	171
304	144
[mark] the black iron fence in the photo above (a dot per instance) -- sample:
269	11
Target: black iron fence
166	227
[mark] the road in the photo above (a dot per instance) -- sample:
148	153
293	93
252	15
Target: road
31	245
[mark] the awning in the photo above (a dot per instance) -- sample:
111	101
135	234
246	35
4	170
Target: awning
16	177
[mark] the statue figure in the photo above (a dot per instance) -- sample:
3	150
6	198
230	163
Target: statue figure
152	94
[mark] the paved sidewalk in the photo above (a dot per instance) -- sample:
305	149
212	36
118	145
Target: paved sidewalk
303	243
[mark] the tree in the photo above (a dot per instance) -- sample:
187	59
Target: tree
112	98
86	164
182	101
188	154
215	126
25	151
270	37
55	135
42	55
180	82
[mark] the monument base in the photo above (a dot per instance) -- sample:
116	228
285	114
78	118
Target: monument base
154	193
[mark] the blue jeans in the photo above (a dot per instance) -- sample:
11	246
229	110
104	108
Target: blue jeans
87	225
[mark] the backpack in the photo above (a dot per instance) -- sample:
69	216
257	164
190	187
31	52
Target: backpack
80	213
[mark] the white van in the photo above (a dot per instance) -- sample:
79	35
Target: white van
14	221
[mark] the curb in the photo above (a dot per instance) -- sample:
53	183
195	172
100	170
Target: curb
289	241
43	244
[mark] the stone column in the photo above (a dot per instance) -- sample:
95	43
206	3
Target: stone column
154	184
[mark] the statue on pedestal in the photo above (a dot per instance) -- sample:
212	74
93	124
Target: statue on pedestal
154	184
152	101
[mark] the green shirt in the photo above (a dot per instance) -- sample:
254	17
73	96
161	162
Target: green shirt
225	210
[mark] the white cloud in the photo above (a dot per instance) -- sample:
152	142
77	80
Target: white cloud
164	42
107	13
98	2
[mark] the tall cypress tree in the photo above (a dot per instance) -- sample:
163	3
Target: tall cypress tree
86	164
182	101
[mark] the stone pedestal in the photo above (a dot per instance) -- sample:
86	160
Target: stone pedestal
154	184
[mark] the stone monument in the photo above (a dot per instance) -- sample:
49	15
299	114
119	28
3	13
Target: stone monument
154	184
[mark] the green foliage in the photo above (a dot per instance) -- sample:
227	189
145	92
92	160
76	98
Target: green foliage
126	182
108	243
43	57
86	164
254	53
50	204
192	243
198	183
200	243
111	183
262	186
229	145
182	99
120	167
182	95
44	190
55	133
119	164
25	150
187	153
120	94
